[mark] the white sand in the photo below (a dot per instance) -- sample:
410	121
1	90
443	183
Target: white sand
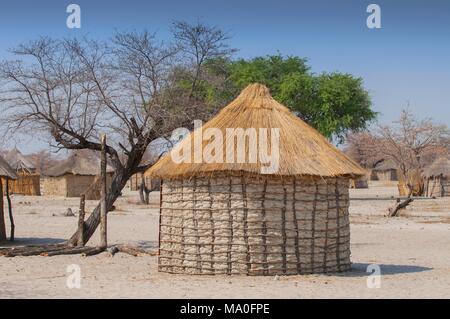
413	252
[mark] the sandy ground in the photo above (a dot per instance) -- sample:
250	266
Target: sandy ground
413	252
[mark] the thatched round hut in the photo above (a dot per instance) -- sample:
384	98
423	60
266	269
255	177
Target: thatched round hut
438	178
386	170
75	176
28	181
227	217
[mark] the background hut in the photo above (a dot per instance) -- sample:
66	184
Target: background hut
6	174
359	182
228	218
385	171
74	177
28	181
438	178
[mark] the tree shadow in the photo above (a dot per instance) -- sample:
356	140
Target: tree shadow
30	241
145	244
361	269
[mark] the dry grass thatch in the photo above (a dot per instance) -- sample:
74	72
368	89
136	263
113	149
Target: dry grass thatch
303	150
19	162
6	171
77	164
414	178
440	167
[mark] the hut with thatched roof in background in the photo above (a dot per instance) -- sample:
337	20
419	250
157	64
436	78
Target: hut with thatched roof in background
360	182
28	181
6	174
437	177
77	175
385	171
238	218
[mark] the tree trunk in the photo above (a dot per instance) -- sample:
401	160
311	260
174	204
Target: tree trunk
2	214
119	181
144	191
11	217
103	191
393	212
147	195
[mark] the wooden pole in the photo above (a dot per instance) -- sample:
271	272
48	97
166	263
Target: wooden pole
103	212
2	214
81	221
11	218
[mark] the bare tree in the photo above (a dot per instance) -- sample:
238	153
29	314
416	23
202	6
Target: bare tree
408	142
360	147
198	44
43	160
76	90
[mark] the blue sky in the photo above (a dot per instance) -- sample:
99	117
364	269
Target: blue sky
405	60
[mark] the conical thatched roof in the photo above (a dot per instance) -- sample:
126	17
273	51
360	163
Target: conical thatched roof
18	161
79	163
302	150
6	171
441	166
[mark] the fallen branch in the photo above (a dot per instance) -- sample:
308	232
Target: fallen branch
30	250
130	250
64	249
69	251
393	211
93	251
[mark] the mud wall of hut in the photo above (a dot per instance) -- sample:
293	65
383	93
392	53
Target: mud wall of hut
93	192
53	186
78	184
72	186
254	225
385	175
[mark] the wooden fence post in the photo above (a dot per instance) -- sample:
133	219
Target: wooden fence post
11	218
81	220
2	214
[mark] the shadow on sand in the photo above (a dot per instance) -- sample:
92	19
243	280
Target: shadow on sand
360	270
19	242
147	244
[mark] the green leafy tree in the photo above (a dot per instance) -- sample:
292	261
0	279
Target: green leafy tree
333	103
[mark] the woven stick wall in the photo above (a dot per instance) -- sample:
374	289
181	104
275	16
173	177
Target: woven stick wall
26	184
254	225
437	187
